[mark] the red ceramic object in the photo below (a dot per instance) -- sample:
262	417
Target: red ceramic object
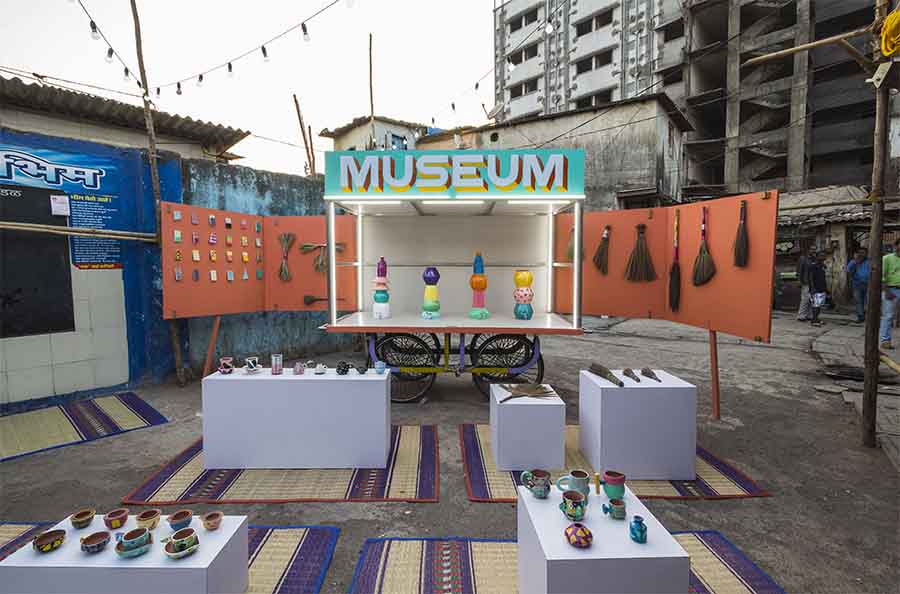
116	518
611	477
212	520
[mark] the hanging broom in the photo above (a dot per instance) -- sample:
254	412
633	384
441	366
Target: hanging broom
704	267
640	265
675	271
601	256
742	242
286	240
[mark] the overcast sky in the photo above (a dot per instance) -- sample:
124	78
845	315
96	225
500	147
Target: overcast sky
427	54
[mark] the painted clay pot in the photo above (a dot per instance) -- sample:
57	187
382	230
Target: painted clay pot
613	484
577	480
212	520
615	509
638	530
181	519
537	481
83	518
579	535
148	519
133	539
49	541
182	539
96	542
226	365
116	518
171	553
126	553
574	505
343	368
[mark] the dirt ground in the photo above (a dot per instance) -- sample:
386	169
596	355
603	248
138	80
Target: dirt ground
832	524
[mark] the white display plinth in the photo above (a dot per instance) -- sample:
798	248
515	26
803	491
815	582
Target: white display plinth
646	430
613	564
527	433
296	421
218	567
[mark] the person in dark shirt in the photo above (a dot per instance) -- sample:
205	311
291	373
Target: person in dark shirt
818	287
806	260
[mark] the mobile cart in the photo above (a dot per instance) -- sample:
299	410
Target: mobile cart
421	209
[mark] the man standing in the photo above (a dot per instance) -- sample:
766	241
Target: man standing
818	287
890	279
806	260
858	273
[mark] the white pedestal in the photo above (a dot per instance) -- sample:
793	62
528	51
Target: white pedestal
296	421
526	432
218	567
647	430
613	564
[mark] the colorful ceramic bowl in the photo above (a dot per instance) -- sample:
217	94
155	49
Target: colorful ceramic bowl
116	518
95	542
148	519
172	553
181	519
133	539
83	518
121	551
49	541
182	540
212	520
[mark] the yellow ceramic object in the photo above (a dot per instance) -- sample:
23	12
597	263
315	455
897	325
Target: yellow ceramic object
523	278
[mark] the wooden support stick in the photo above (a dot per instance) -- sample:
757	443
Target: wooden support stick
889	362
714	373
806	46
312	150
211	348
175	335
81	232
306	141
864	62
371	96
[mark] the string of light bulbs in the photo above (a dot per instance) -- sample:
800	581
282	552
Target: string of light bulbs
111	54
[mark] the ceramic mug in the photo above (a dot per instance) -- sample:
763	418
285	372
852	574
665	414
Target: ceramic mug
116	518
181	519
577	480
537	481
133	539
183	539
613	484
252	364
226	365
574	505
148	519
277	364
380	367
615	509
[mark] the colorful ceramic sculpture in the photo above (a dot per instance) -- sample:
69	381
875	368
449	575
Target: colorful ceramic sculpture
381	308
537	481
171	553
182	540
321	369
343	368
574	505
613	484
479	282
362	369
523	295
148	519
134	539
212	520
577	480
431	303
49	541
638	530
615	509
226	365
251	365
380	367
277	364
116	518
83	518
128	553
96	542
579	535
299	368
181	519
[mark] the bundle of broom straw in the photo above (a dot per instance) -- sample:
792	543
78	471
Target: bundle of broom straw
742	241
640	264
704	267
675	271
601	256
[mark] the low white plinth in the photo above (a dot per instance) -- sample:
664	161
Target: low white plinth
647	430
218	567
296	421
527	432
614	564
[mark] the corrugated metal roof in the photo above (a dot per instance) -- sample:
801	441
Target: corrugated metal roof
820	207
363	120
49	99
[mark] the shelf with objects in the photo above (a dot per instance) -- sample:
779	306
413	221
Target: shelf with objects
457	248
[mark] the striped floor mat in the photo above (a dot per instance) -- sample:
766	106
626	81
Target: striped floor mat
716	479
282	559
76	422
437	566
412	474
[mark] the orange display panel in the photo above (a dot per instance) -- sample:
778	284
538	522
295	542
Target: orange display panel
736	301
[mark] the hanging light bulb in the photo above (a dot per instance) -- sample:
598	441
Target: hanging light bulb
199	80
305	32
157	91
405	142
126	74
230	71
476	86
178	88
95	32
109	55
432	121
265	53
453	107
548	28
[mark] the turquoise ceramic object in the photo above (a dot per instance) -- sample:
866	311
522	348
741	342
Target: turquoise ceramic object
95	543
638	530
135	552
576	480
573	505
180	519
537	481
613	484
523	311
615	509
133	539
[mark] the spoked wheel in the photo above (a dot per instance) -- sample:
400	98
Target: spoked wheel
407	350
508	351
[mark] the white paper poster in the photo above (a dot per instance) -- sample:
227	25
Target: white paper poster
59	205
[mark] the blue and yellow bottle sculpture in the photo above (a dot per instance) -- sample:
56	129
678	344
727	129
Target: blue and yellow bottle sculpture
431	304
478	281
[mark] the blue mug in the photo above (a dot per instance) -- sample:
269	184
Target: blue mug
380	367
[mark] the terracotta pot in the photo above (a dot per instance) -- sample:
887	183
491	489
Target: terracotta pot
212	520
148	519
181	519
49	541
83	518
116	518
182	540
95	542
133	539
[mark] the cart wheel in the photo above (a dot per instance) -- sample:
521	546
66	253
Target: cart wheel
407	350
506	350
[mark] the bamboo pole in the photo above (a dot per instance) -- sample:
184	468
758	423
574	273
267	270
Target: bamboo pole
312	151
87	232
862	201
864	62
371	96
714	374
806	46
306	141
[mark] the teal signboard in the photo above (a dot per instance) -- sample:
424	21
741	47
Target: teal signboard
553	173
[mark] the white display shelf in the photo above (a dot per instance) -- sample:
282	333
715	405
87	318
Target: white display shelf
527	433
498	323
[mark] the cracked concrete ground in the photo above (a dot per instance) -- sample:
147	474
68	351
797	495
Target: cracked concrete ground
831	525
